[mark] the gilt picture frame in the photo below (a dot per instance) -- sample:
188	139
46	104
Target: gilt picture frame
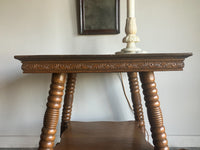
98	17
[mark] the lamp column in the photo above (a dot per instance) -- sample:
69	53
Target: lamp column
131	29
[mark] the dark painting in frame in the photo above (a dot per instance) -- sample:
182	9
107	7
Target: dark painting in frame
98	17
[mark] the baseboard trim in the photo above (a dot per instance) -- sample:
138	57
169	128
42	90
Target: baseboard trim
19	141
184	141
32	141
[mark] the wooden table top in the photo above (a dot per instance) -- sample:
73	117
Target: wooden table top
102	63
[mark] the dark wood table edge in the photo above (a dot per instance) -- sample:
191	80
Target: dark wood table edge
99	57
102	63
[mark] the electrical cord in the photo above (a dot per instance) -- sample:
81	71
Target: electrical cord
128	101
123	87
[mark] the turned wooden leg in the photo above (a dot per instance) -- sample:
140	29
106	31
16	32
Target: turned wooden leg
52	112
136	99
68	100
154	112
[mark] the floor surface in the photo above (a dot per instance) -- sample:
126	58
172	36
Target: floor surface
188	148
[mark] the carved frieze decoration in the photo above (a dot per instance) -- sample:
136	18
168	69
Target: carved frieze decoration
102	67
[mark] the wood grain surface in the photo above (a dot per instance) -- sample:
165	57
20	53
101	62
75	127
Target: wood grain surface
154	111
102	63
136	99
68	101
103	136
51	116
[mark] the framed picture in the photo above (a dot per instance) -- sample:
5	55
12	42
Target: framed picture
98	17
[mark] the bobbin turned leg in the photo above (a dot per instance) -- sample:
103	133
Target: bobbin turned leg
68	100
154	111
52	112
136	99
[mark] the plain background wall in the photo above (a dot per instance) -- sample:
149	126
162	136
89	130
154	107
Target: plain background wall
50	27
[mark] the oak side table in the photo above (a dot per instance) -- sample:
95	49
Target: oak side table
128	135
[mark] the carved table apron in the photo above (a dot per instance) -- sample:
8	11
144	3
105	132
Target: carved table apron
60	65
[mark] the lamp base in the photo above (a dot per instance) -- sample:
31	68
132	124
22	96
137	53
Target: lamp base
130	51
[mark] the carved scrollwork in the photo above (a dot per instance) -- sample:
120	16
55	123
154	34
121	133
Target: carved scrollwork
102	67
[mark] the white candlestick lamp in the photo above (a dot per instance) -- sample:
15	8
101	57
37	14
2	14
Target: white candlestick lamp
130	8
131	29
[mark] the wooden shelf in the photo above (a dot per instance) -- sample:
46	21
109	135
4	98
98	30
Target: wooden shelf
103	136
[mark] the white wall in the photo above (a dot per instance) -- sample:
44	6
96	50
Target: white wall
49	27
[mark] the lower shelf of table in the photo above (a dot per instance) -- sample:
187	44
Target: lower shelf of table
103	136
